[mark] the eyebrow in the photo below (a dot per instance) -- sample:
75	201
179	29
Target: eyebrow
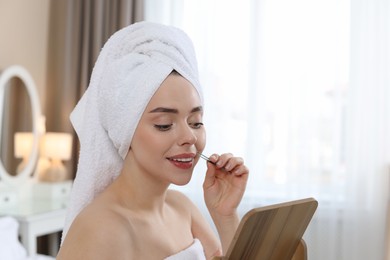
173	110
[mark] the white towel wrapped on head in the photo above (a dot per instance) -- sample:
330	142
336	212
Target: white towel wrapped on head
131	66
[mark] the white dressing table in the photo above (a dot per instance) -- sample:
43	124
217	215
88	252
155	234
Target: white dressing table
37	218
41	214
39	207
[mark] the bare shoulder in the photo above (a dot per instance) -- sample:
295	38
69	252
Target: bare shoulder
97	233
200	227
181	203
177	197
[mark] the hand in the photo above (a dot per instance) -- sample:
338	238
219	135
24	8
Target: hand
224	184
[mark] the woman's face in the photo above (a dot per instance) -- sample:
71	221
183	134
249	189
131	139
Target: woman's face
170	132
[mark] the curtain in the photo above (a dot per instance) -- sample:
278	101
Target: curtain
78	30
368	142
301	90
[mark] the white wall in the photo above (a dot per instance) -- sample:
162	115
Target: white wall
24	29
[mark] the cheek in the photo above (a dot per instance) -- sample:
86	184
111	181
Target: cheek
148	141
201	140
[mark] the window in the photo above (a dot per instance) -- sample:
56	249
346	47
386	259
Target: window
300	90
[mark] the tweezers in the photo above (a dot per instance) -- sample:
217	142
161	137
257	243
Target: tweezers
205	158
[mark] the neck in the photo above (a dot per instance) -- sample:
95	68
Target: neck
139	191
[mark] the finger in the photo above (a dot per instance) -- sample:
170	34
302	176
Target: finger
233	162
213	158
227	162
210	176
240	170
222	159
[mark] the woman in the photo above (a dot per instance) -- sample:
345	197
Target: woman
140	129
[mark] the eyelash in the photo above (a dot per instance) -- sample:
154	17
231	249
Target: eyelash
164	128
197	125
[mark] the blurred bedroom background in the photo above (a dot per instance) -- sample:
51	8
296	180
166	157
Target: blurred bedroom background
300	89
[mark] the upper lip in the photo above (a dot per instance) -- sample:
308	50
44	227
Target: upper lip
183	156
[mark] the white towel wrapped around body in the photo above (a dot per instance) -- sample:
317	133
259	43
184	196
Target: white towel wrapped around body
131	66
193	252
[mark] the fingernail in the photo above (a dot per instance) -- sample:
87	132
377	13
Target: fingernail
228	167
213	158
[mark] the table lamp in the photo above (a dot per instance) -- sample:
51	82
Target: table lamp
23	142
57	147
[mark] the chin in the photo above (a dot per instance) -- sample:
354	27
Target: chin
182	182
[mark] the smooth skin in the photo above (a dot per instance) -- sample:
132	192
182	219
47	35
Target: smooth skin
137	216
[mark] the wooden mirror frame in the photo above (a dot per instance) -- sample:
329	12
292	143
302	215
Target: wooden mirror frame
25	77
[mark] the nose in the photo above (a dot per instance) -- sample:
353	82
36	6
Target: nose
187	135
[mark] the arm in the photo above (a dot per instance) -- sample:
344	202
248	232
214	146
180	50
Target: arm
200	227
224	187
226	227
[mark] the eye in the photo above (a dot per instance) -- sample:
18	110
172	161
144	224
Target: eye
196	125
163	127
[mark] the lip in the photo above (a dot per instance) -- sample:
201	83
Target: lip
182	161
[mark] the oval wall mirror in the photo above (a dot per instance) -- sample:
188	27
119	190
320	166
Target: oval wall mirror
25	77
